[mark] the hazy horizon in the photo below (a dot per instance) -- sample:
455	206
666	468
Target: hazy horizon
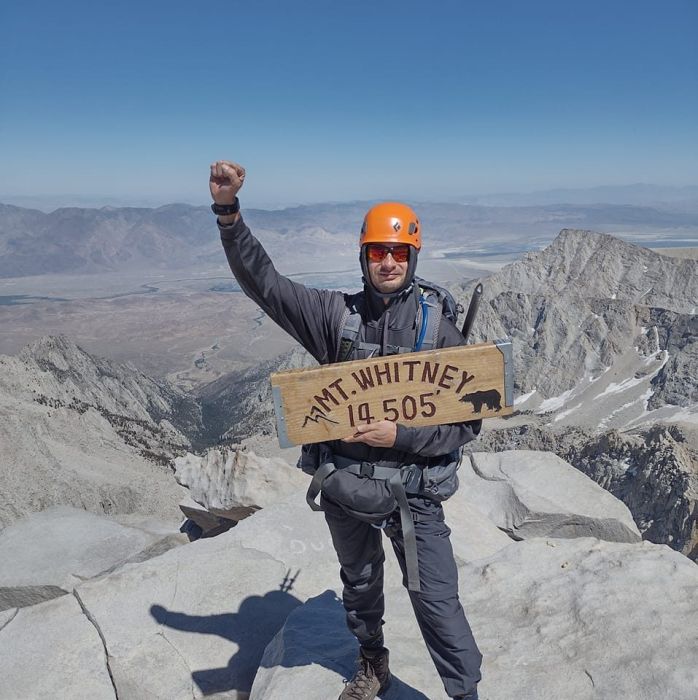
630	193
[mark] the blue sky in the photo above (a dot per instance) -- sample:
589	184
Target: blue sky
345	100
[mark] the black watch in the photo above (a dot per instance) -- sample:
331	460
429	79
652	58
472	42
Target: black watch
226	209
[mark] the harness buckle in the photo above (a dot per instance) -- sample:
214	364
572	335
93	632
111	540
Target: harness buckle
412	480
367	469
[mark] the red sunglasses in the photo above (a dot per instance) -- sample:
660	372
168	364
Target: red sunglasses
375	252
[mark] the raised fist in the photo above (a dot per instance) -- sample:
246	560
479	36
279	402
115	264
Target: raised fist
226	180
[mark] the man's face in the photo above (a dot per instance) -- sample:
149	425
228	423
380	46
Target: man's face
387	265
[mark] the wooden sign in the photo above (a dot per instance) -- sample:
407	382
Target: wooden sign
420	388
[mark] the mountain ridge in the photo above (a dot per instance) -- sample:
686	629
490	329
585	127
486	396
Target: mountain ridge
576	312
81	240
90	433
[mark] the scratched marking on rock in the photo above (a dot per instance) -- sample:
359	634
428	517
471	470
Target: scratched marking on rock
300	547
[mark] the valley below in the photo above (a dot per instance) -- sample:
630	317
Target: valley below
191	325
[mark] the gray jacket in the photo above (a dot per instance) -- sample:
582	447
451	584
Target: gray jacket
314	317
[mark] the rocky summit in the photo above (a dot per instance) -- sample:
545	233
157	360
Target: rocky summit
570	604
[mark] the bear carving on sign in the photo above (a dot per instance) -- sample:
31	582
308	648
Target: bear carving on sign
491	398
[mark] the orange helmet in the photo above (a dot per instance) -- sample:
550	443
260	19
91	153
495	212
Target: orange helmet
391	222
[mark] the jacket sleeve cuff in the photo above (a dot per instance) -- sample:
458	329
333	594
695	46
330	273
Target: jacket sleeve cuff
228	233
403	441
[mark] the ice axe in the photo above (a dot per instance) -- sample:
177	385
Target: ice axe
472	311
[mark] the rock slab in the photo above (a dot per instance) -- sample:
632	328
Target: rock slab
50	552
582	619
234	483
51	651
536	494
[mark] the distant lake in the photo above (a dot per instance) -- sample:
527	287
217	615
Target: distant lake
507	254
16	299
225	287
670	243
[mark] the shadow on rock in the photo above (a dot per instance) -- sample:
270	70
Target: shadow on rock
316	634
252	627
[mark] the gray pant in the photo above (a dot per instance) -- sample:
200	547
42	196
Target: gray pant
439	614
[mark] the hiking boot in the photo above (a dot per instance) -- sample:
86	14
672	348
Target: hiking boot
472	695
371	678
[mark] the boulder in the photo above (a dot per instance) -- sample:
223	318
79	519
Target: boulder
473	534
49	553
233	483
653	471
535	494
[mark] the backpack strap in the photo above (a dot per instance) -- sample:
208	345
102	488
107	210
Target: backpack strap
430	311
349	334
408	534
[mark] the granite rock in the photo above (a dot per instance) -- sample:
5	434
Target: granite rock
47	554
233	483
580	618
534	494
654	471
50	651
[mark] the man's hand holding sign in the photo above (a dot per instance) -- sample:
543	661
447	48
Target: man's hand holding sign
380	434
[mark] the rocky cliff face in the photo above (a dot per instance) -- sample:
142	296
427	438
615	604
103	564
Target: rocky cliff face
240	405
605	332
86	432
57	369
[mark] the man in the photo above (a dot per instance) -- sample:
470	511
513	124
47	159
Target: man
389	311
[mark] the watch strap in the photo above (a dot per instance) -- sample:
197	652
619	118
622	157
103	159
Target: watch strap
226	209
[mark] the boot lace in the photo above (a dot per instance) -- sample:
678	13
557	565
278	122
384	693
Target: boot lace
363	684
